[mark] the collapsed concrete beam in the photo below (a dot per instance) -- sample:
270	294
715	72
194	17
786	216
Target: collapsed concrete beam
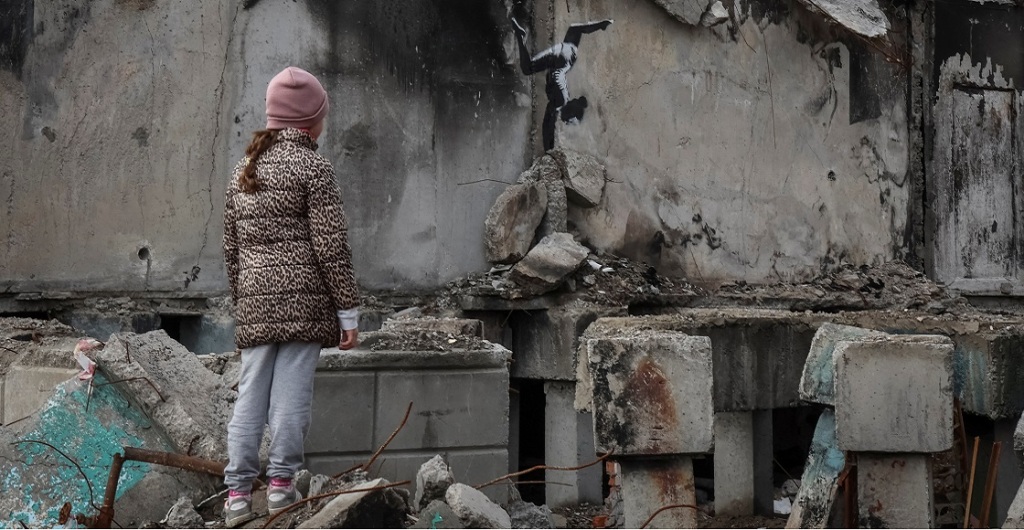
820	480
895	394
863	17
173	387
817	383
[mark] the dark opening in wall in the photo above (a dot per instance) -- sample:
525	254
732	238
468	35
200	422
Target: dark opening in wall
531	438
184	328
39	315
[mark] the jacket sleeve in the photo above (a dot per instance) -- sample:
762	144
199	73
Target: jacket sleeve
231	242
329	233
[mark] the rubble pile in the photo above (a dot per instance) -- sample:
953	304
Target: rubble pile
526	233
893	285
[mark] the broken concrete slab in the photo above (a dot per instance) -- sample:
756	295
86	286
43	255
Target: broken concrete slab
432	481
1015	515
817	384
25	389
529	515
716	14
652	393
546	172
545	342
894	491
438	514
475	509
382	508
171	385
548	264
183	515
688	11
895	394
863	17
513	220
820	481
451	326
584	177
90	429
651	483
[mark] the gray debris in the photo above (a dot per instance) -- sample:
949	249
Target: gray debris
183	515
863	17
475	509
384	508
716	14
513	220
302	480
529	515
432	481
584	177
437	514
316	484
548	264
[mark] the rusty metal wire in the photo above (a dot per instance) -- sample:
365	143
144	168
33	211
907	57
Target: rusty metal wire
376	454
92	498
664	508
542	466
292	506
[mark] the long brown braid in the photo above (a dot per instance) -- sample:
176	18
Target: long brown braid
261	141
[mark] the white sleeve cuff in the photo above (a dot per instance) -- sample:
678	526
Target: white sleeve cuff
349	318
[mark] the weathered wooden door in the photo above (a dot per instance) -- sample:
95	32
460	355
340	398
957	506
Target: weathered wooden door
975	175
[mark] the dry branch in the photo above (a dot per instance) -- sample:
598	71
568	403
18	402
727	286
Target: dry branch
543	466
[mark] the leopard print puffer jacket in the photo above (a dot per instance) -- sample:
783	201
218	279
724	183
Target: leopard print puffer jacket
286	248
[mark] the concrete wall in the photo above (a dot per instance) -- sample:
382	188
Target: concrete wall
125	118
765	148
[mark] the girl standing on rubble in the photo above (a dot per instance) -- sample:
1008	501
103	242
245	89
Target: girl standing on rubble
290	270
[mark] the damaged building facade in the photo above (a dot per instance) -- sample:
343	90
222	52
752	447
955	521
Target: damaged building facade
751	173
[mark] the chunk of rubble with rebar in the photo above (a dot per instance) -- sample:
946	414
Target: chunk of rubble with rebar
653	409
893	403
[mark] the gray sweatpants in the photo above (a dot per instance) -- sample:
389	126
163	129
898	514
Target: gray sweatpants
275	388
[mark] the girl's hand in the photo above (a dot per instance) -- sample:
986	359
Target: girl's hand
349	339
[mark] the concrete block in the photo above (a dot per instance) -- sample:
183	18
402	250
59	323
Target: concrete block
764	462
894	491
652	393
26	389
734	463
1015	516
450	408
544	343
988	375
650	483
820	480
451	326
569	442
895	394
817	384
475	509
342	400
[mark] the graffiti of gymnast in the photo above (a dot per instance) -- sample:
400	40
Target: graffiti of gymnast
557	60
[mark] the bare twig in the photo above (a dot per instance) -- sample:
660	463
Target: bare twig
542	466
292	506
92	499
482	180
369	463
663	508
15	353
22	523
347	471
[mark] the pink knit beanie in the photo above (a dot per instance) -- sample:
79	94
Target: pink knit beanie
295	99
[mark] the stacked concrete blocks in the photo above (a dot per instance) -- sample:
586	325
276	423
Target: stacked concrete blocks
652	402
460	410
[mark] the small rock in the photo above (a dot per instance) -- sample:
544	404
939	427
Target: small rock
317	483
791	487
560	520
410	312
547	265
546	172
513	220
432	481
594	265
589	280
383	508
529	515
584	177
183	515
716	14
783	506
302	480
475	509
437	514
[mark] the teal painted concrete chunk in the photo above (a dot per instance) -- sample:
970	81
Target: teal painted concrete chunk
817	384
44	479
820	480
